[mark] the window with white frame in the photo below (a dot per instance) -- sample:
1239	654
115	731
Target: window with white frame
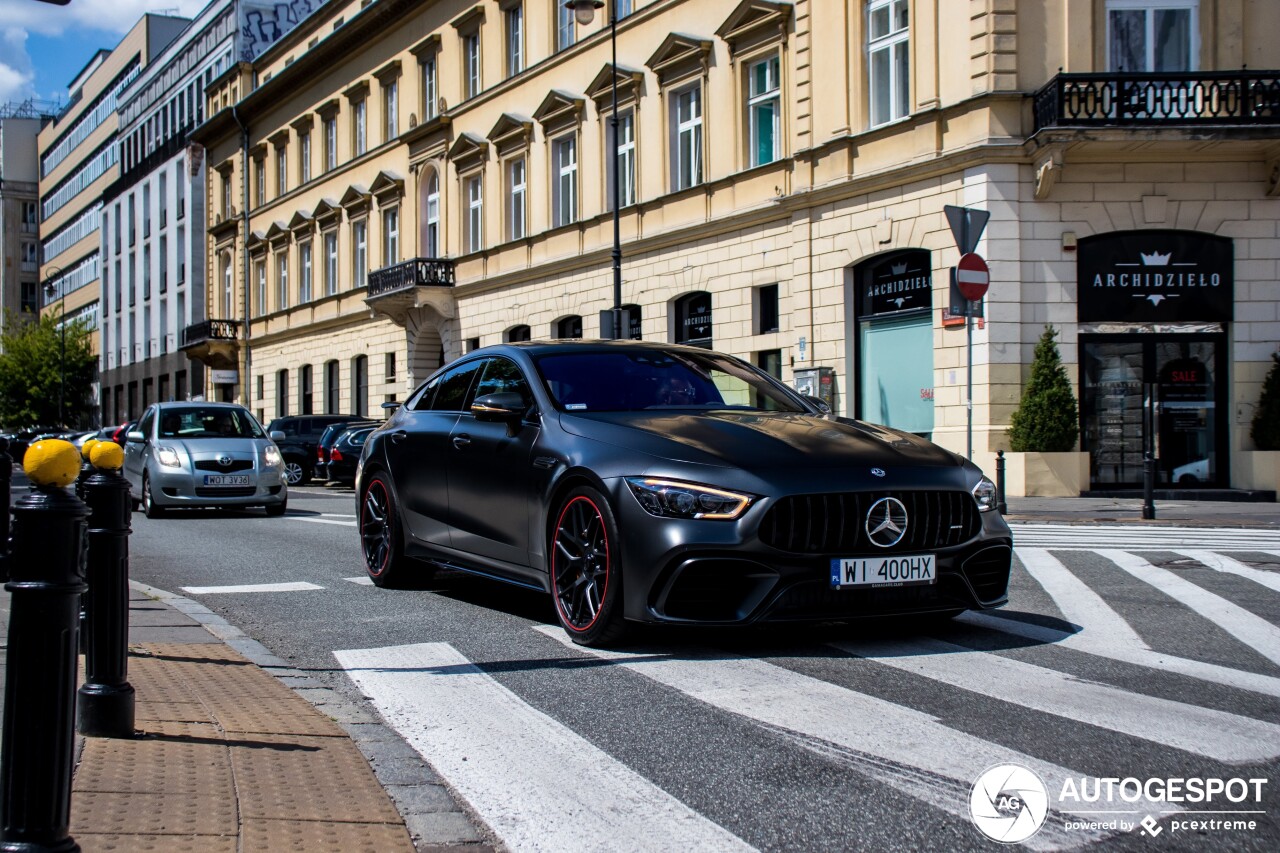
304	272
360	253
331	262
686	163
888	55
475	214
282	170
227	206
432	235
566	26
621	8
359	126
260	180
282	279
565	180
430	99
764	110
331	143
471	58
1152	35
625	151
517	184
391	109
260	298
304	156
390	236
514	18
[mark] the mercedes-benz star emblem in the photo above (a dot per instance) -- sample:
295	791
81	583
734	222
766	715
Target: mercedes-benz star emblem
877	472
886	522
224	461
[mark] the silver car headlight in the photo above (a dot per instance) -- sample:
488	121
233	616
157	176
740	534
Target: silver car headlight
671	499
271	457
168	457
985	495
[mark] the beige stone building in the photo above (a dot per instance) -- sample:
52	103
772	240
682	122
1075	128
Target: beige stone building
396	182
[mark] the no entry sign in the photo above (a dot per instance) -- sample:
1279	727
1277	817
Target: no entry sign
973	276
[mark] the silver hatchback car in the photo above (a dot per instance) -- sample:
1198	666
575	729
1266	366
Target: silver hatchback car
188	454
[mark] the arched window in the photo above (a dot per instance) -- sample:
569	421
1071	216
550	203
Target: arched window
305	405
567	327
431	216
282	393
693	319
360	386
332	388
519	333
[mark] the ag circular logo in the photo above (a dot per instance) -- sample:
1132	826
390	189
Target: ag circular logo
1008	803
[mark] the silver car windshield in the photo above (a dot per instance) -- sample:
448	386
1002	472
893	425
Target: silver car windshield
207	422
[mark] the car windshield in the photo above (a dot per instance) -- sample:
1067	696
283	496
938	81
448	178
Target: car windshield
208	422
601	381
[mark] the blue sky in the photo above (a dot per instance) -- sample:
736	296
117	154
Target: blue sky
43	45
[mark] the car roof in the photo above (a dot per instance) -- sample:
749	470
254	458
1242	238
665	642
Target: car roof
545	347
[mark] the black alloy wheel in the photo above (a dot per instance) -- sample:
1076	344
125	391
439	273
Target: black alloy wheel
149	507
296	472
585	569
380	540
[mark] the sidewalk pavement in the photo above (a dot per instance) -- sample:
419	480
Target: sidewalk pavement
1185	513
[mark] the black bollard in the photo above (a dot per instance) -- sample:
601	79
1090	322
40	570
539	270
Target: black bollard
106	697
46	579
1148	486
1001	506
6	481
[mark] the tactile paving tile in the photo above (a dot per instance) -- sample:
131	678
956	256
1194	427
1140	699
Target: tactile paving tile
152	814
93	842
194	762
324	837
309	779
147	712
289	715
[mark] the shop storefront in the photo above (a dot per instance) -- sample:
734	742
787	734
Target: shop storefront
1155	308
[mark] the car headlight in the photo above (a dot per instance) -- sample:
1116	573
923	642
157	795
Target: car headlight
985	494
670	499
168	457
271	457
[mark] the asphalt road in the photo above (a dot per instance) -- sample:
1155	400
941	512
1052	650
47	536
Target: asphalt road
824	738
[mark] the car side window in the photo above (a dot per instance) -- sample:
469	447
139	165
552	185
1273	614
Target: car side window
503	375
147	422
454	385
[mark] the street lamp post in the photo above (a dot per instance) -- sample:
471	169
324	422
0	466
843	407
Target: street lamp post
50	287
585	11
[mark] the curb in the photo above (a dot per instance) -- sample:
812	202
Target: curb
430	809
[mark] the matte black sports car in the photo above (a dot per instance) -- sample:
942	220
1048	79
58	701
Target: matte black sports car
649	482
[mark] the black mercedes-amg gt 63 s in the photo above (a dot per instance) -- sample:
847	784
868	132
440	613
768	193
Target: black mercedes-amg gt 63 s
647	482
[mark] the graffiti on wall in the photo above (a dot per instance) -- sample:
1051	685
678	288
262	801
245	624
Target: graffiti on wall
264	22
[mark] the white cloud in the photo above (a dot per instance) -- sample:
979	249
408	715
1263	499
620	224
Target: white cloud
17	79
112	16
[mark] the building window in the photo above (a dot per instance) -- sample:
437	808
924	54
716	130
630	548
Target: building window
430	99
516	182
261	384
282	393
331	143
389	367
625	151
260	181
390	236
282	171
567	327
304	156
360	385
471	56
764	110
162	199
359	127
622	8
1152	35
475	214
431	243
331	262
304	269
282	280
687	162
146	211
693	319
260	298
391	109
515	39
304	391
565	183
360	257
519	333
889	57
164	264
566	26
227	207
332	391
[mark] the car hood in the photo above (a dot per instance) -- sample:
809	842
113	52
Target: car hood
760	440
208	448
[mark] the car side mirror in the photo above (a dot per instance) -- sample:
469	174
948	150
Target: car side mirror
505	406
134	435
820	403
276	435
391	405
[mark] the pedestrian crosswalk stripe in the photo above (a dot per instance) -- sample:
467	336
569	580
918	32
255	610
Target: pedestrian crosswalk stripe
1137	537
1077	601
887	737
1214	734
523	772
314	520
362	580
296	586
1223	563
1254	631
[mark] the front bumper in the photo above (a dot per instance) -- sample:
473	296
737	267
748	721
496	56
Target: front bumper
178	488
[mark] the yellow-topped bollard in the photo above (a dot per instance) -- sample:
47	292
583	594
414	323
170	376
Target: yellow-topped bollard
52	462
86	447
107	455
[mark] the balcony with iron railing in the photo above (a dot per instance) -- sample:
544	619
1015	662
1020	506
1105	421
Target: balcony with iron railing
1202	99
214	342
397	289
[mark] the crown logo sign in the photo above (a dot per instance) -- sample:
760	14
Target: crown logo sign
1155	259
898	269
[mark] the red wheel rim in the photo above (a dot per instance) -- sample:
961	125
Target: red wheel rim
580	564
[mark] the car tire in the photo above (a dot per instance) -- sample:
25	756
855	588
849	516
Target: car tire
274	510
297	472
586	569
381	542
149	507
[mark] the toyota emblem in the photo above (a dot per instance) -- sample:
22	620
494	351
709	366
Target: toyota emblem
224	461
877	472
886	522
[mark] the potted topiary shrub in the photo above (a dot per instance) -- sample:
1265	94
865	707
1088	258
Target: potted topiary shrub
1043	430
1263	464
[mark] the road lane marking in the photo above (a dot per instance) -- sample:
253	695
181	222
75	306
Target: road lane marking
1250	629
314	520
1223	563
885	739
362	580
522	771
1076	537
297	586
1214	734
1077	601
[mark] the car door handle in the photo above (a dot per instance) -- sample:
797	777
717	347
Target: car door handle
461	441
399	435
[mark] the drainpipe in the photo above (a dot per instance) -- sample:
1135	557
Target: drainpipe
244	252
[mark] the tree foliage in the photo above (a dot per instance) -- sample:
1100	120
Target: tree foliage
1266	419
33	362
1046	419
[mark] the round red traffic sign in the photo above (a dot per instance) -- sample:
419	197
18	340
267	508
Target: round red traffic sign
972	276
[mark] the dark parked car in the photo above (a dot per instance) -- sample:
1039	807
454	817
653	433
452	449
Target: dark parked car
649	482
327	438
298	443
344	455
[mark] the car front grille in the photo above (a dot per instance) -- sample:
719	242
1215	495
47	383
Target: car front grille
835	524
225	491
213	465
